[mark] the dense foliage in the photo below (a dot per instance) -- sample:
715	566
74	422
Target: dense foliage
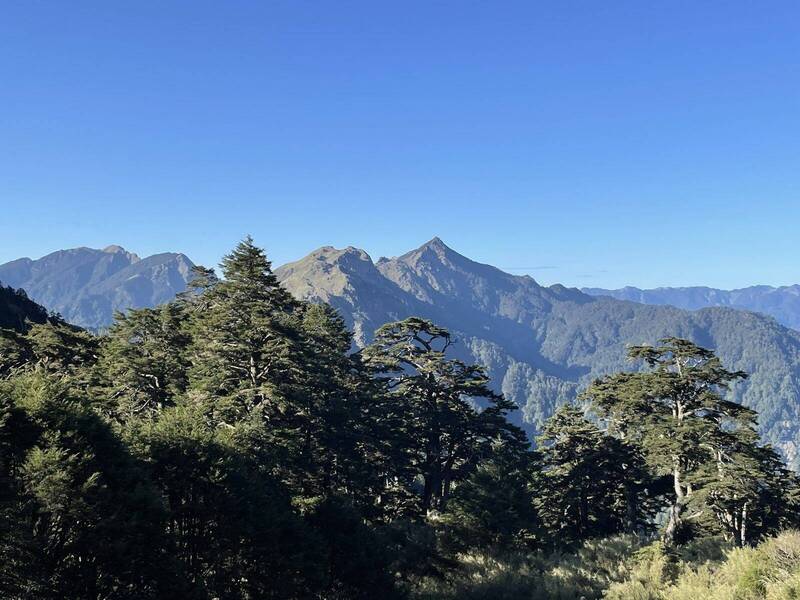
231	445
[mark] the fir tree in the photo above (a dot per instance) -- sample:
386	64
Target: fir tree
437	395
245	339
686	428
144	362
591	485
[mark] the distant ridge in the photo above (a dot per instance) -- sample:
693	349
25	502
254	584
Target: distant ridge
782	303
86	285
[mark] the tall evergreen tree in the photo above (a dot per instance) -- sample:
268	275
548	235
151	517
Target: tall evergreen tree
438	395
677	413
144	362
591	485
246	338
340	443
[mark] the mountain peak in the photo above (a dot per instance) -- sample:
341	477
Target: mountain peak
437	245
115	249
87	285
433	249
332	254
435	242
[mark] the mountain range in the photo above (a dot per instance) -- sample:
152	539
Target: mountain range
540	344
86	286
783	302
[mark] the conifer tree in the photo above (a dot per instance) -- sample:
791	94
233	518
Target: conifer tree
494	508
677	413
230	523
437	395
144	362
83	510
590	484
745	488
340	440
245	339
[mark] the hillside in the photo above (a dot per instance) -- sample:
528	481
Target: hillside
783	302
86	286
542	344
16	309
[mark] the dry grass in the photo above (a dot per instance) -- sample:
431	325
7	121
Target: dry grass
620	568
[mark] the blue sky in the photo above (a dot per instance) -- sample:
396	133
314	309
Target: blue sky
589	143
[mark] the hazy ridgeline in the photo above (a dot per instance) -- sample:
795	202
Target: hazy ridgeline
229	444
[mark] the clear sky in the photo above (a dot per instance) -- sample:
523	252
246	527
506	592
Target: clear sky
588	143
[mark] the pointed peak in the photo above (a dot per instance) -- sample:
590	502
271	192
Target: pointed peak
115	249
435	243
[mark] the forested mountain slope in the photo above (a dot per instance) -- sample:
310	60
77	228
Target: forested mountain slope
542	344
783	302
86	285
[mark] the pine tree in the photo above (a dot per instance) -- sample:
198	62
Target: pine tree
448	436
144	363
590	485
677	414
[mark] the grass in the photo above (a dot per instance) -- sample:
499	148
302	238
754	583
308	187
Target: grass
624	568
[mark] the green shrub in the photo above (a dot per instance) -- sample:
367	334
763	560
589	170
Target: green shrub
650	570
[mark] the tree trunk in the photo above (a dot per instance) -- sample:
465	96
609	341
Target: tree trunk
676	510
743	529
631	508
672	525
